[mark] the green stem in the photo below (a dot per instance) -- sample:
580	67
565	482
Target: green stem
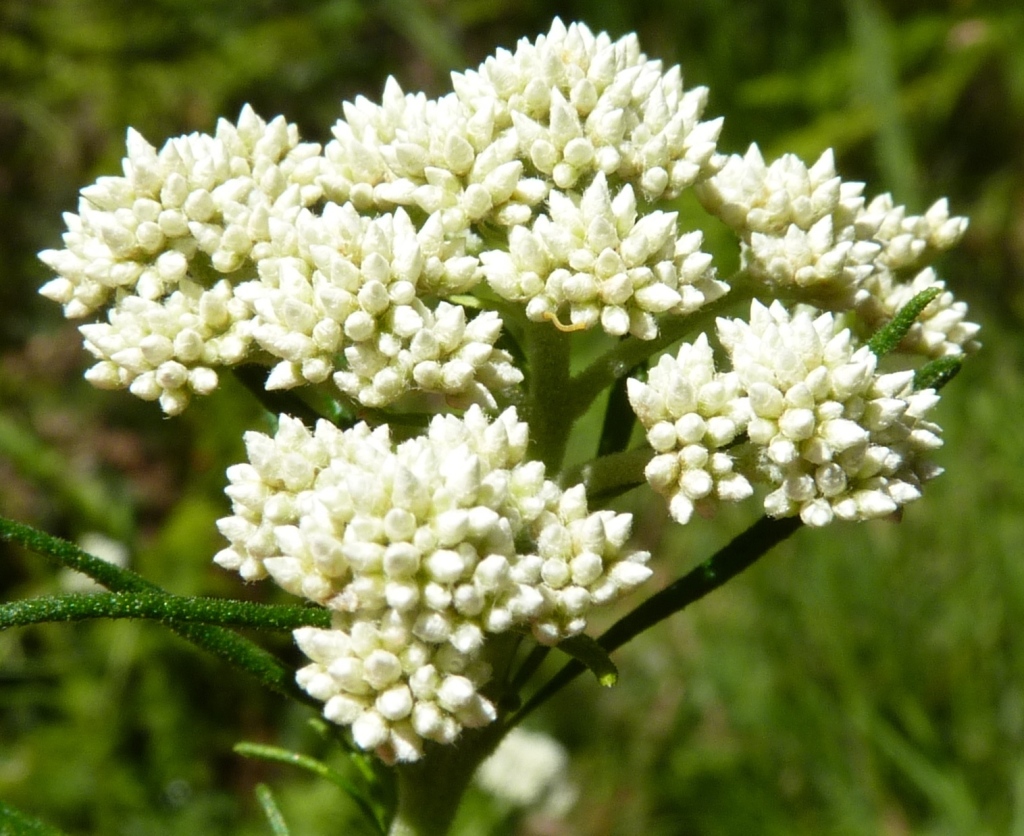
534	659
617	362
608	476
619	418
171	610
548	412
237	651
741	552
430	789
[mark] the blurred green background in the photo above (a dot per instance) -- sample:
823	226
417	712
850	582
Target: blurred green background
860	680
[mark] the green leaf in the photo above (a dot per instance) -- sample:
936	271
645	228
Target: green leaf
234	649
585	649
172	610
13	822
276	754
271	810
888	337
71	556
938	372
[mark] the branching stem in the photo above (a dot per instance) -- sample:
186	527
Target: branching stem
741	552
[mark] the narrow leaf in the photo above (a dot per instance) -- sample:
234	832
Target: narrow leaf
888	337
13	822
276	754
234	649
938	372
271	811
171	610
586	650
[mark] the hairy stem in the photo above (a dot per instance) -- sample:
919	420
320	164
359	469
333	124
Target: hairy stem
548	412
234	649
171	610
429	790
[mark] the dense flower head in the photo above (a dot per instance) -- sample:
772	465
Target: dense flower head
797	223
594	257
392	689
200	203
164	245
692	415
345	265
446	538
833	437
168	350
353	288
399	272
437	156
581	103
804	229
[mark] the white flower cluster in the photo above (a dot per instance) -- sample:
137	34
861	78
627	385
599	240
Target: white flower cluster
551	121
159	243
592	255
167	350
804	229
421	551
692	414
529	769
384	267
580	103
355	286
198	194
833	437
348	265
434	156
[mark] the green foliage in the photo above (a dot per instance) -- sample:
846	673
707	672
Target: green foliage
862	680
365	794
886	339
270	809
15	823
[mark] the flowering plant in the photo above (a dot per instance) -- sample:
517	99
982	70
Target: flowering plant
428	305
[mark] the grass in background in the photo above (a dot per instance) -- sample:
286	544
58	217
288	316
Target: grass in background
859	680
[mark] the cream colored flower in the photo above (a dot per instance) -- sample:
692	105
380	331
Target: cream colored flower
581	104
593	259
692	415
422	550
194	208
839	440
